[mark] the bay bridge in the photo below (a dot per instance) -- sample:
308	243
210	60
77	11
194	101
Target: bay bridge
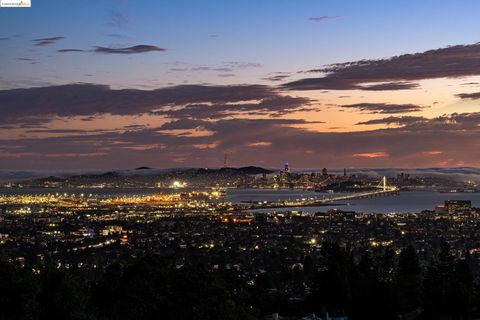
382	189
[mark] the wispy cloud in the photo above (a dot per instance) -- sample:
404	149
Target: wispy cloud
47	41
323	18
371	155
127	50
70	50
243	65
471	96
384	107
32	61
117	36
218	69
401	85
277	77
403	120
142	48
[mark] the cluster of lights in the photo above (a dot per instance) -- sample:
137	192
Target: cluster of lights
178	185
191	199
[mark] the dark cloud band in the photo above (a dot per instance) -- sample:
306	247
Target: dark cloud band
399	71
384	107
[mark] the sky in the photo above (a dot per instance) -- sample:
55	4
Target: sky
101	84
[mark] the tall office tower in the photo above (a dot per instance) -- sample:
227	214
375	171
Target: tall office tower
287	169
324	172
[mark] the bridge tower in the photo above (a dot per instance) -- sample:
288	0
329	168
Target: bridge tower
383	184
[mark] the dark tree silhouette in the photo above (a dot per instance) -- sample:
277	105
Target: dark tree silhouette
18	292
408	281
154	288
366	283
63	295
331	285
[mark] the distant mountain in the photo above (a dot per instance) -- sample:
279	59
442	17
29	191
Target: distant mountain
142	176
107	174
253	170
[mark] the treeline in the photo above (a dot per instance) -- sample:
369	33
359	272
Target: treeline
365	285
392	286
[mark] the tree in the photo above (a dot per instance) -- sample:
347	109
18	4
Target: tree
332	283
18	291
462	290
408	282
438	284
64	295
153	287
372	295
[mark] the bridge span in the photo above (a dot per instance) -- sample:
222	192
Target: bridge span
383	189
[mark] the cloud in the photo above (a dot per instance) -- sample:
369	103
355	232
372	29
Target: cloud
449	62
405	120
259	144
277	77
323	18
271	106
204	121
226	68
117	36
371	155
433	152
403	85
384	107
142	48
471	96
218	69
37	105
61	131
47	41
408	146
70	50
4	39
243	65
32	61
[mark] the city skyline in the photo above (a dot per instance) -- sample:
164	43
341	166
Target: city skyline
111	84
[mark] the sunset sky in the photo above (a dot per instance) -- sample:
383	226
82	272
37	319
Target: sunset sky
121	83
